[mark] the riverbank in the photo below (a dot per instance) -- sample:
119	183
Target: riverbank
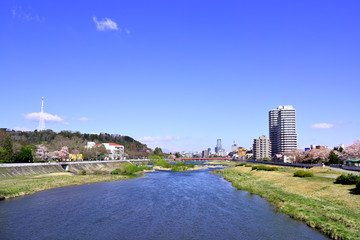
11	187
330	208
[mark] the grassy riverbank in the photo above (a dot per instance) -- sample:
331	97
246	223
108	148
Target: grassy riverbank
23	185
330	208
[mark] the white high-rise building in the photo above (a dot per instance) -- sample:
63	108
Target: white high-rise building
261	148
234	147
282	129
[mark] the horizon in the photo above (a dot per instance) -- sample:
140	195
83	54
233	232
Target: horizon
181	75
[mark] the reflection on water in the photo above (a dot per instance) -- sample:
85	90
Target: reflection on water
162	205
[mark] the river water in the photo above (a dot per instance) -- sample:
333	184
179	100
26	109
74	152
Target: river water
161	205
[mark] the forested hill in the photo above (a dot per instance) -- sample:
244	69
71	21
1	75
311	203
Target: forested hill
74	140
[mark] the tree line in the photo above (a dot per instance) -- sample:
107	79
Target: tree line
18	146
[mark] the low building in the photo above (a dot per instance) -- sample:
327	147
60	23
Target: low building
115	151
241	151
352	162
262	148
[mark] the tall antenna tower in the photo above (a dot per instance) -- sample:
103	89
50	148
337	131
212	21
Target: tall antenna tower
42	120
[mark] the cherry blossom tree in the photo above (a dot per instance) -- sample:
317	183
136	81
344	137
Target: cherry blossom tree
352	151
63	153
296	155
60	155
42	152
317	155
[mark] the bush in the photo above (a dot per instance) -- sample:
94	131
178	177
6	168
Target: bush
163	164
302	173
178	168
348	179
83	172
248	165
264	168
191	165
357	189
116	171
240	164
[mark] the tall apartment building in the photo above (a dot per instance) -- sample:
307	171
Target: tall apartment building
218	146
261	148
282	129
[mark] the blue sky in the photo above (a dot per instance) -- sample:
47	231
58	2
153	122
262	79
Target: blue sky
180	74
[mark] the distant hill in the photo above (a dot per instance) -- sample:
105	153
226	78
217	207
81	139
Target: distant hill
74	140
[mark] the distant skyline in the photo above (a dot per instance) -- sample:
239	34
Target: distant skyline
182	74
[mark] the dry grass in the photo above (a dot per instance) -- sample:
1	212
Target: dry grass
323	205
22	185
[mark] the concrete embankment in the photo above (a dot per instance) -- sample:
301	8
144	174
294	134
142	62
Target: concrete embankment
13	170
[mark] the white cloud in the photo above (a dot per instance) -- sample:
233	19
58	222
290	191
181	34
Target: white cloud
35	116
83	119
105	24
25	14
23	129
322	125
127	31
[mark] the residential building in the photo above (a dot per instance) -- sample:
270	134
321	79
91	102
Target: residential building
234	147
318	147
205	154
241	151
282	129
261	148
115	151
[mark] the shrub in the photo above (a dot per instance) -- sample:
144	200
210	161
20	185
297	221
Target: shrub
116	171
357	189
191	165
130	169
347	179
83	172
248	165
163	164
178	168
302	173
264	168
240	164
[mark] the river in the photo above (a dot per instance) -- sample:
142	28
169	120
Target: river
161	205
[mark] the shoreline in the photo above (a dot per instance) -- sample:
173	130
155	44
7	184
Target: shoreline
13	187
324	206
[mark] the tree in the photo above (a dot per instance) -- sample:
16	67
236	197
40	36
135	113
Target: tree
177	155
296	155
42	153
352	151
334	158
158	152
62	154
8	146
314	156
25	155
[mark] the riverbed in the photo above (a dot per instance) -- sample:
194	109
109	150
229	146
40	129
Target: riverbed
161	205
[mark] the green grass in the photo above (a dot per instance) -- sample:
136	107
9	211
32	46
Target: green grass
129	169
330	208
